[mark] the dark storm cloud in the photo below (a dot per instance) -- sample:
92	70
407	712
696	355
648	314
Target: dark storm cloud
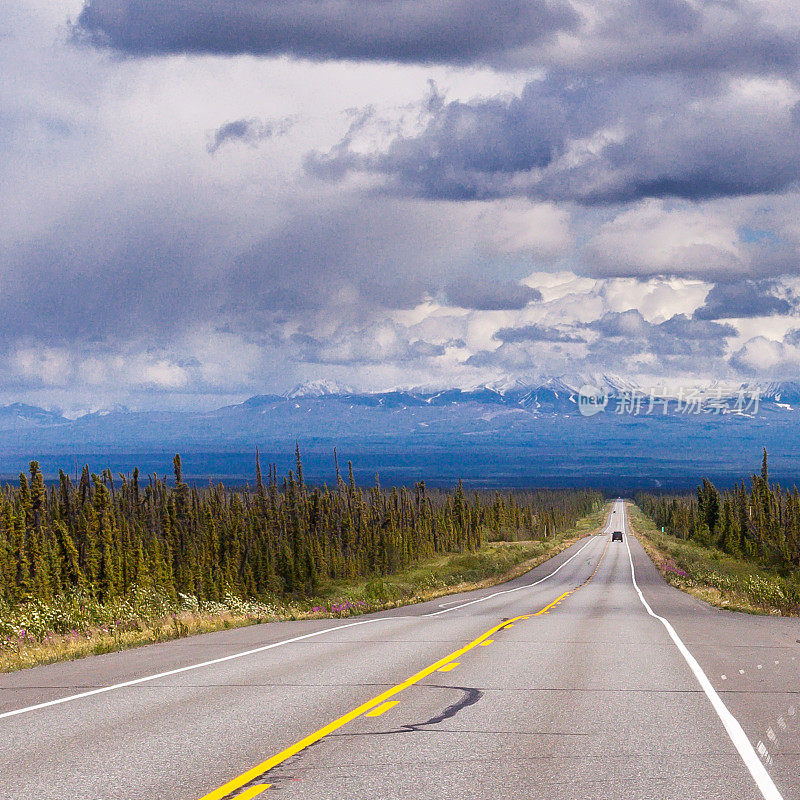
674	36
653	137
453	31
487	295
160	267
742	299
631	324
678	343
472	150
247	131
345	258
141	276
630	332
537	333
682	327
619	35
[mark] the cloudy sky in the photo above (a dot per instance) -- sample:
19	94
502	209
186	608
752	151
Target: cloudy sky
208	199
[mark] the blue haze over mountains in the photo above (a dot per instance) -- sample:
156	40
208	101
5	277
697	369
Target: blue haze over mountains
511	437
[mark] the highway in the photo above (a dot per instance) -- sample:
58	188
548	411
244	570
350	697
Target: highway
589	677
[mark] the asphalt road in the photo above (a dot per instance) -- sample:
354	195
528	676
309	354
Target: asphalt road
566	683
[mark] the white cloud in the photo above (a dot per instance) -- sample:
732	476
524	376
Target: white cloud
654	238
45	365
656	299
767	357
161	373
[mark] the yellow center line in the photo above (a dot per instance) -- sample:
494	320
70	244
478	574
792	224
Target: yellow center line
265	766
376	712
488	641
293	750
555	602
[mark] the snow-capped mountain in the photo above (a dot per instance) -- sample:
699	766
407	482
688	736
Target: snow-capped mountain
318	388
331	401
20	415
503	433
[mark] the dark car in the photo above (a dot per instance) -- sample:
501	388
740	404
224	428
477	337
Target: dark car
616	536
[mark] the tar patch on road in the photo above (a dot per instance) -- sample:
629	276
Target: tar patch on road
469	697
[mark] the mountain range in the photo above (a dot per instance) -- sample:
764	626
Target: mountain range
504	434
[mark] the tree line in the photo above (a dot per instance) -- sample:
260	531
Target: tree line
105	535
759	521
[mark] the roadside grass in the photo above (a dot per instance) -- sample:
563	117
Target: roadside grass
77	626
716	577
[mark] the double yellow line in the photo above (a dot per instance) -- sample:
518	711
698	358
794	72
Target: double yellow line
370	708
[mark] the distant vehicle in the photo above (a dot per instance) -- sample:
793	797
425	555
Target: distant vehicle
616	536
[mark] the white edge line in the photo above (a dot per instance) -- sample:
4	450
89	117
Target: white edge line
516	589
222	659
735	731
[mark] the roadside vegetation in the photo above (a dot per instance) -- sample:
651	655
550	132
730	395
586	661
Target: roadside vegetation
737	549
105	564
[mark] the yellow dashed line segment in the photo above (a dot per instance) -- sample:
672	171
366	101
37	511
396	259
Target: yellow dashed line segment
376	712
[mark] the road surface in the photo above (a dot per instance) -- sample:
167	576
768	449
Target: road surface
567	683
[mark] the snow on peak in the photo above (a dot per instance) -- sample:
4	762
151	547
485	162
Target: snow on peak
318	388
